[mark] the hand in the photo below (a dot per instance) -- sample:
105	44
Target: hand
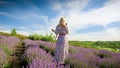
65	23
53	30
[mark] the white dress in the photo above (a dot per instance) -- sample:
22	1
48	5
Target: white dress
61	49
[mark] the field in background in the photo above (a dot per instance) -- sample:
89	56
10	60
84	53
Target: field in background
107	45
34	51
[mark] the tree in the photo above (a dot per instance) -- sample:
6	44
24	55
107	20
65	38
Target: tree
13	31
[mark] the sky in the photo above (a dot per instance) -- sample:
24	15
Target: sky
88	20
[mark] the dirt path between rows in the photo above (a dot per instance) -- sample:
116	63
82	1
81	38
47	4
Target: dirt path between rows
16	59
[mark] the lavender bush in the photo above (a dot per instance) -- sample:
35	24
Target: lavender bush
48	46
95	59
39	58
2	57
7	43
87	57
38	55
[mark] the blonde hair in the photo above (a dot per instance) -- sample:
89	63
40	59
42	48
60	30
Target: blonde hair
62	22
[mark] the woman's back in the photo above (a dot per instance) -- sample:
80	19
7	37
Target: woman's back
61	30
61	49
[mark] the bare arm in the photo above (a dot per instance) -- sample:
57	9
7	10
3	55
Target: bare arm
53	30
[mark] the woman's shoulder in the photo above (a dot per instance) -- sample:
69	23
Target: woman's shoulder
65	26
57	26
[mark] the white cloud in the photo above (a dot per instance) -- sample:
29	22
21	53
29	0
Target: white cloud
103	16
76	19
6	14
111	34
26	33
22	27
74	5
6	2
32	18
57	6
26	30
4	31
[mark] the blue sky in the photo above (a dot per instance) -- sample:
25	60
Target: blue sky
88	20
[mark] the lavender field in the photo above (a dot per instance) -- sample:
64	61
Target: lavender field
17	53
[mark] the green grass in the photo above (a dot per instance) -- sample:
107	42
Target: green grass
7	66
106	45
85	44
17	35
47	49
47	37
3	33
6	49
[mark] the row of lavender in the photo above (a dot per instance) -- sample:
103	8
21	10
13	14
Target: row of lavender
7	44
35	56
38	57
87	57
91	58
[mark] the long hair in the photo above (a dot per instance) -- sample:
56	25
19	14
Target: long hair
61	22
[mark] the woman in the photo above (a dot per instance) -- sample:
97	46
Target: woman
61	50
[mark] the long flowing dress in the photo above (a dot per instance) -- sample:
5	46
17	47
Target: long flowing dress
61	49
